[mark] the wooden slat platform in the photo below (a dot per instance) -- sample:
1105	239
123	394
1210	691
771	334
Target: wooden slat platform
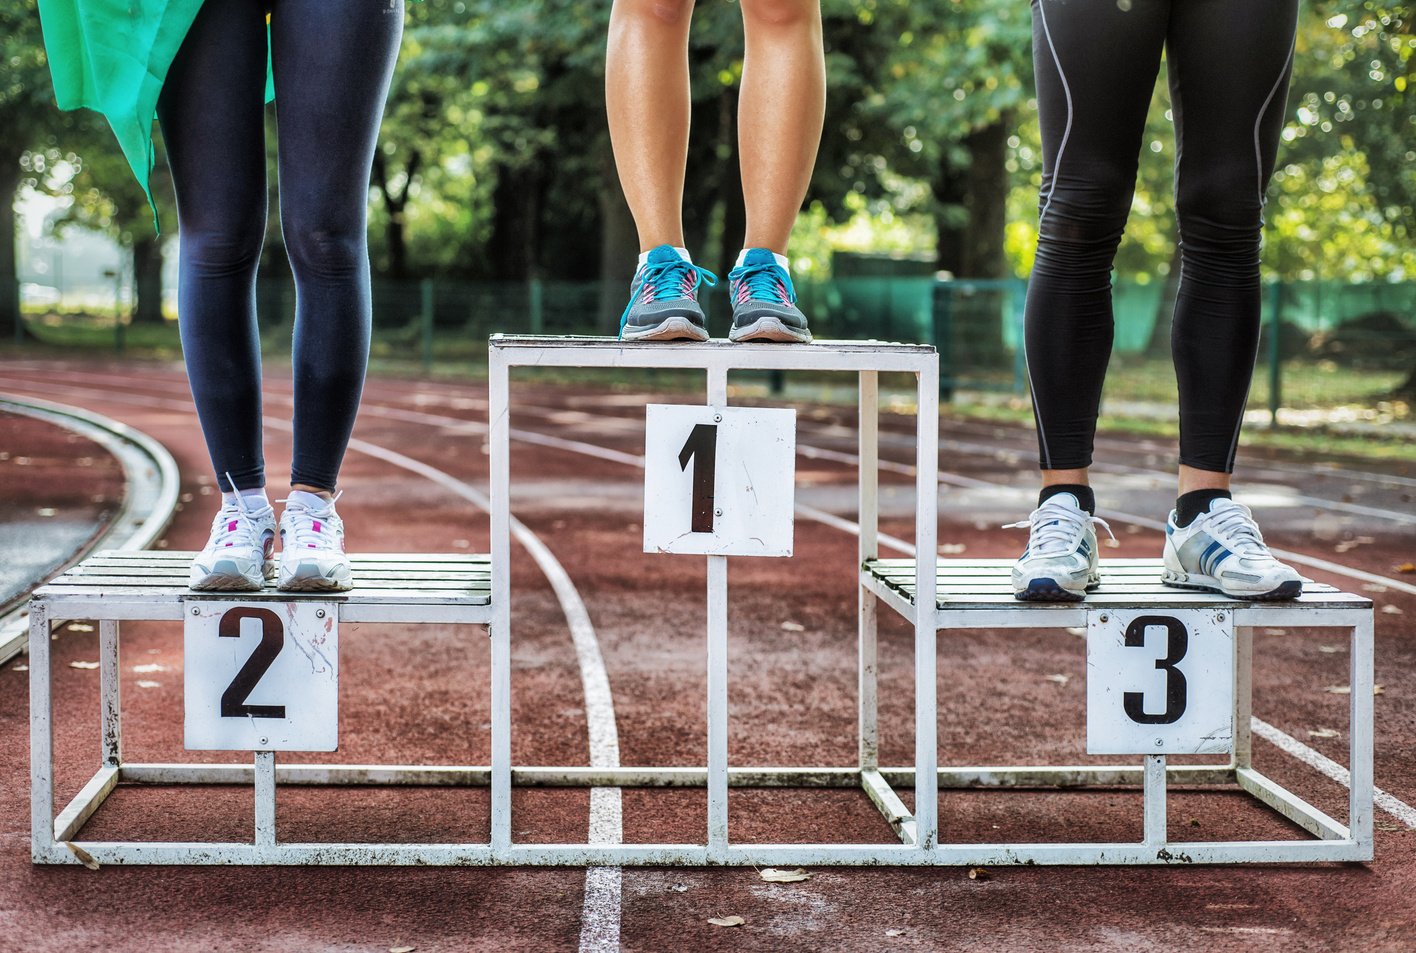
985	584
387	587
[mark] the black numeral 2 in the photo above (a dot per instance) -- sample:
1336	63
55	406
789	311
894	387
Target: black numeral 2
702	448
1177	643
233	700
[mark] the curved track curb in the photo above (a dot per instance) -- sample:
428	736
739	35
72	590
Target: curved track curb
151	484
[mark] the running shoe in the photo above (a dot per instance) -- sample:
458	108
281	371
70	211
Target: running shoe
1060	561
1223	551
238	556
663	299
764	301
312	556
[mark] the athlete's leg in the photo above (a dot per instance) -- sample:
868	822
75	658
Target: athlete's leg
332	63
647	99
1096	65
1229	62
212	118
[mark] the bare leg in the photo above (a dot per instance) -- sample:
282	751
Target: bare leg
1080	477
1192	479
780	114
647	98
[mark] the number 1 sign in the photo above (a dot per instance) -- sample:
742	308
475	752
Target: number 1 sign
719	481
261	676
1160	682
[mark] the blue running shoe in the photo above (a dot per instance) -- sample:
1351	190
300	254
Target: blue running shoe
1060	561
1223	551
764	301
663	299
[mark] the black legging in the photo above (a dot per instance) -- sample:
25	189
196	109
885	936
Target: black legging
332	62
1096	63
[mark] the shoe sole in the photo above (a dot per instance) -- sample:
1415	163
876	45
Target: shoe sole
1285	591
216	580
769	329
1045	589
310	579
670	329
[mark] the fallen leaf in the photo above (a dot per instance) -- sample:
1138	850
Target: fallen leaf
86	666
1322	733
20	668
1329	649
1373	587
148	683
793	627
1378	689
733	921
774	876
1194	822
46	511
953	549
1275	631
1390	609
1347	689
84	856
894	932
1405	567
401	949
1059	678
979	873
1076	630
679	888
150	667
80	627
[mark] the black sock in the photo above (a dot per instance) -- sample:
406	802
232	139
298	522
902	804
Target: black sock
1196	503
1086	499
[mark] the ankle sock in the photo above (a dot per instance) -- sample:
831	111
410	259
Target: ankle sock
254	498
1086	499
682	253
307	500
1190	506
781	259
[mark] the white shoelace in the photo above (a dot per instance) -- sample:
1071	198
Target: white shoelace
1233	524
235	522
305	534
1054	528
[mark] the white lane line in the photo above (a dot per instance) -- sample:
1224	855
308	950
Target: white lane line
1393	805
600	918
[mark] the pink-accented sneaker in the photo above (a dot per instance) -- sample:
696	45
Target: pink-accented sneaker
239	554
312	556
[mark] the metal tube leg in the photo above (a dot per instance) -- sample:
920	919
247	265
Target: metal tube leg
41	736
111	692
926	805
1359	821
869	549
1243	756
717	672
265	798
1155	833
498	440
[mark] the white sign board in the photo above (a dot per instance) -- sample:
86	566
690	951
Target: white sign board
261	676
1160	681
719	481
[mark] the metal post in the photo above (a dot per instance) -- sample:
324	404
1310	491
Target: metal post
1243	756
41	736
1275	395
1155	833
1359	821
425	316
1018	300
111	692
265	798
717	670
869	548
498	442
926	806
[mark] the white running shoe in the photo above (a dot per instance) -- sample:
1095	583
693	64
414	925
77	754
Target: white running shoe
1223	551
1060	561
238	556
312	557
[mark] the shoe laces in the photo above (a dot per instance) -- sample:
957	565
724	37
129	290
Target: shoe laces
234	522
666	281
1055	527
307	527
762	282
1233	524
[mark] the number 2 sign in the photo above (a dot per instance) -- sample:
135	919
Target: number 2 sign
261	676
719	481
1160	681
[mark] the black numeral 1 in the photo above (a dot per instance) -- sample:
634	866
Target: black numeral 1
233	700
702	448
1177	643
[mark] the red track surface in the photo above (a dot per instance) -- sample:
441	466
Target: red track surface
415	694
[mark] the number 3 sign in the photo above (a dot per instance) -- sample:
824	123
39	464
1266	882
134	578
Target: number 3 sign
261	676
719	481
1160	682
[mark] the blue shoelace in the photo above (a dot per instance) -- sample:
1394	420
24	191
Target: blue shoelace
762	281
664	279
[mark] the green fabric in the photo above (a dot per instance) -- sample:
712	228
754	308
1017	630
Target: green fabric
112	56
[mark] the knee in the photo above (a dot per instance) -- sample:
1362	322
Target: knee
221	252
1220	221
332	252
779	13
654	13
